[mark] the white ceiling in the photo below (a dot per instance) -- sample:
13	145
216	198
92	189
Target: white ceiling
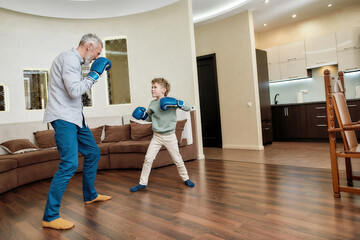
274	14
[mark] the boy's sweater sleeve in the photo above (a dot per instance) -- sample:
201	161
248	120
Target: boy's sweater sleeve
186	107
149	112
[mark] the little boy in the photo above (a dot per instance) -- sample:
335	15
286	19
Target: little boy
162	114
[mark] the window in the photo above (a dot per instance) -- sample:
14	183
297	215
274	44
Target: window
35	88
86	97
3	107
118	75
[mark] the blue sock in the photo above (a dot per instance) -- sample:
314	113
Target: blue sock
137	188
189	183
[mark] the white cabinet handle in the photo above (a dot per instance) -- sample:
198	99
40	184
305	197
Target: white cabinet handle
320	116
317	108
321	125
352	68
352	105
352	47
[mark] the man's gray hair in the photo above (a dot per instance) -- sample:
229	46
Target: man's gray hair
90	38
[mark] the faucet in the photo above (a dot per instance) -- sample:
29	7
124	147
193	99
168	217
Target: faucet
276	101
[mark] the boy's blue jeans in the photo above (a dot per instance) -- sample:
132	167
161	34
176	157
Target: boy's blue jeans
71	139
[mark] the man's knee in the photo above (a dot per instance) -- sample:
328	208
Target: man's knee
94	154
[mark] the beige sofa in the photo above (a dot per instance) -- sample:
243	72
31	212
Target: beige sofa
121	146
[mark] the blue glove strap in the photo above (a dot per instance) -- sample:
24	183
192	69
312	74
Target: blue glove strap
180	104
94	75
145	116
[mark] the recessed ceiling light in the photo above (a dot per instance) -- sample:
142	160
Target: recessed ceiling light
294	15
329	5
266	1
265	24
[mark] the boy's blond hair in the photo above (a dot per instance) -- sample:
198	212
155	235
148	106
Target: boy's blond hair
164	83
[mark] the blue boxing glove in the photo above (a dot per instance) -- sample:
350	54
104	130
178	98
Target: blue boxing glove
140	113
167	102
98	67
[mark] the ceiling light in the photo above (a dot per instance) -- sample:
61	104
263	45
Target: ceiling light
294	15
265	24
266	1
329	5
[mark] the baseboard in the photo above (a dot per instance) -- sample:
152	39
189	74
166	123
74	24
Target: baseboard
243	147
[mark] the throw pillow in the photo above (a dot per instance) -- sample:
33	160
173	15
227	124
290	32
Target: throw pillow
117	133
97	132
19	146
45	138
179	129
141	131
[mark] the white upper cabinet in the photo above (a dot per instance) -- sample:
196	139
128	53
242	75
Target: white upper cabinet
272	55
274	72
273	63
348	39
321	51
349	60
293	69
292	51
348	47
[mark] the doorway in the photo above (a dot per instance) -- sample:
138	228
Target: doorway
209	101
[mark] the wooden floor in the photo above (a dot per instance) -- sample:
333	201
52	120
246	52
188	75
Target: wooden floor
231	200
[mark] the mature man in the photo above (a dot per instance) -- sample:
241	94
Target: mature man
65	113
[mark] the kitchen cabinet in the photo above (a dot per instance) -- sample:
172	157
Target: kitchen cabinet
348	39
264	93
273	63
307	121
292	61
349	60
321	51
272	55
274	72
348	47
292	51
289	122
294	69
316	121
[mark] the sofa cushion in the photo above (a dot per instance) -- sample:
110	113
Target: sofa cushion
104	148
129	147
36	157
179	129
117	133
141	131
7	164
19	146
97	132
45	138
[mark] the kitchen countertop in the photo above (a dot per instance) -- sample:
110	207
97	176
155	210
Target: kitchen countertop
305	103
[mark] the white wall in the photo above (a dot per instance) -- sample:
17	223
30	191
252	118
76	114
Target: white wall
160	44
232	40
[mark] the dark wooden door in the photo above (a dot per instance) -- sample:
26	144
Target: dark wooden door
209	101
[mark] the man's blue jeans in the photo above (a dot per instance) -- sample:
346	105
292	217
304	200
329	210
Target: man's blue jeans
71	139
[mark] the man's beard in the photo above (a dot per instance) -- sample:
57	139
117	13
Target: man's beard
87	60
